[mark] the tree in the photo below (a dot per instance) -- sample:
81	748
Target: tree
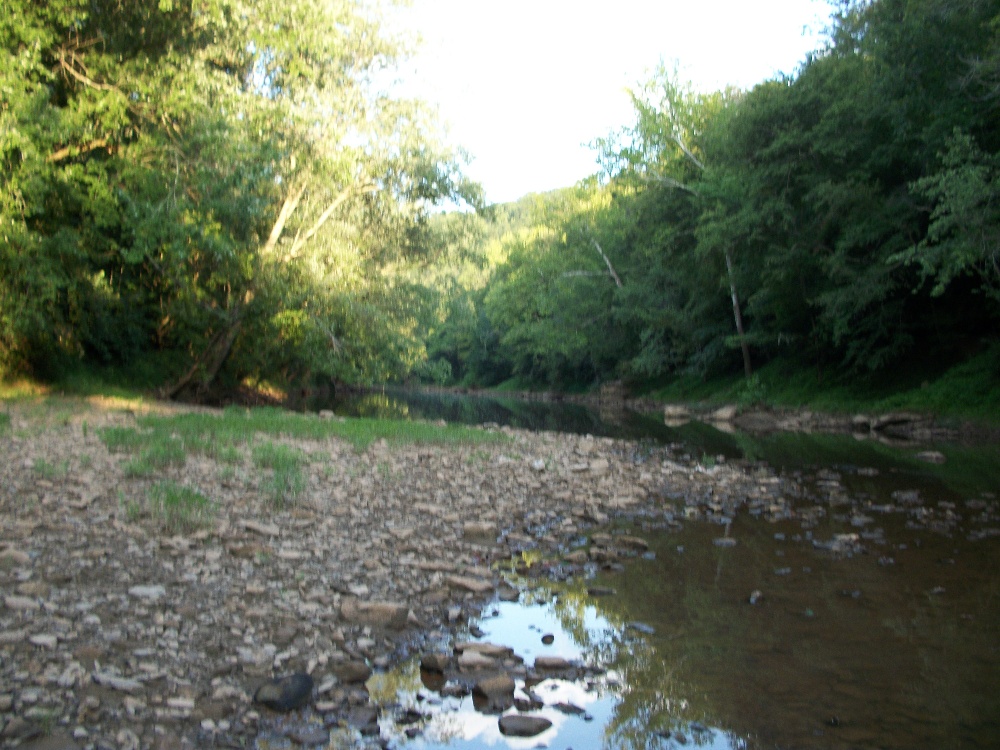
234	177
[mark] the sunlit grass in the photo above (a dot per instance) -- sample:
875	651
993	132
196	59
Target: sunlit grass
178	509
239	426
286	480
48	470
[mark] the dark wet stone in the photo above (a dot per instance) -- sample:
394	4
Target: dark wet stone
523	726
286	693
551	663
569	709
508	594
435	662
548	639
601	591
494	693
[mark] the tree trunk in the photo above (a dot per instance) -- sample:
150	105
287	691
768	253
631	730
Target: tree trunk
747	367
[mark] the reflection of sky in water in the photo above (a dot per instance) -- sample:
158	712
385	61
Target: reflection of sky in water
457	725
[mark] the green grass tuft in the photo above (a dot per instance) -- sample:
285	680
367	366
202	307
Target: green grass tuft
179	509
5	423
286	480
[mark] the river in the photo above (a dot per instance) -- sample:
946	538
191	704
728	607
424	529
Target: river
870	619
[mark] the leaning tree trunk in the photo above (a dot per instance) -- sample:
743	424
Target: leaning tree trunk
747	368
199	378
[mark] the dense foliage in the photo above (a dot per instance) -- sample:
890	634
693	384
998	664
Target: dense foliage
221	188
214	184
847	217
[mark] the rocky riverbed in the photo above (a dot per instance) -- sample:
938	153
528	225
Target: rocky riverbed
115	633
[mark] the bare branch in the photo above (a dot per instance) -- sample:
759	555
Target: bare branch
670	182
287	208
688	153
324	217
66	151
611	269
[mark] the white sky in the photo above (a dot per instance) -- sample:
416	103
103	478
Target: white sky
524	85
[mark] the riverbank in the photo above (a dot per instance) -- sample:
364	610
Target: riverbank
125	626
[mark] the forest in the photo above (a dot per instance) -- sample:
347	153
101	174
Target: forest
207	196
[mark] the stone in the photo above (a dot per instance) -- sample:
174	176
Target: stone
472	660
45	640
378	614
435	662
676	411
551	664
264	529
148	592
485	648
479	531
310	735
475	585
13	556
115	682
364	719
932	457
352	672
21	603
517	725
723	414
494	692
56	741
285	693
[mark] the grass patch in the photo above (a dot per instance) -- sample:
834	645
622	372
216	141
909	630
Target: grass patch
48	470
970	390
286	480
235	426
153	450
178	509
5	423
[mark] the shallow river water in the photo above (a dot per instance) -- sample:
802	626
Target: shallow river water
869	620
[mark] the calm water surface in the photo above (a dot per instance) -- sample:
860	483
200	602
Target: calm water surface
889	638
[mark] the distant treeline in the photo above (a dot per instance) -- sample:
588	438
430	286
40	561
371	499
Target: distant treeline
846	218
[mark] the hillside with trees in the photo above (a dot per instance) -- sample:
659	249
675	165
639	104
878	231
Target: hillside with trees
845	220
226	197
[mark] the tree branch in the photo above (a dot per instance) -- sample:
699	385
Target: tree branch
611	269
323	218
688	153
76	150
287	209
670	182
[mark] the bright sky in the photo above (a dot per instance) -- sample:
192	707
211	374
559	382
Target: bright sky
524	85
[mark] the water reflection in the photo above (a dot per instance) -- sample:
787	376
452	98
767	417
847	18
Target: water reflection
583	712
885	639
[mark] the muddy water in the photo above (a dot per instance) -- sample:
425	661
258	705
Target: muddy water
870	620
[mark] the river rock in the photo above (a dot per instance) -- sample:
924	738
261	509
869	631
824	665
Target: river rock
479	531
378	614
475	585
153	593
285	693
723	414
551	664
435	662
473	660
495	692
352	672
516	725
